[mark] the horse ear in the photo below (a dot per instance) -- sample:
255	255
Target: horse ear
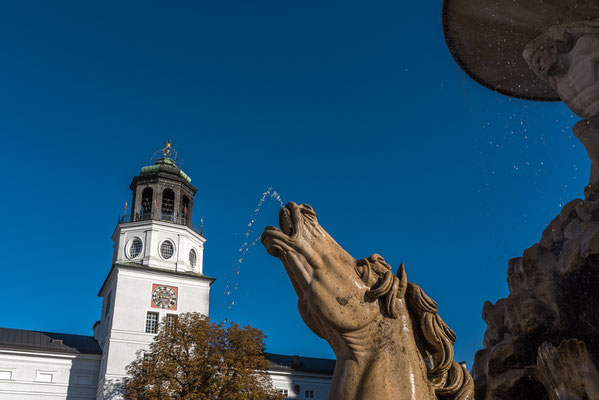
401	272
403	280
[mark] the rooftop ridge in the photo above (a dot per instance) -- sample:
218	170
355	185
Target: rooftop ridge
23	339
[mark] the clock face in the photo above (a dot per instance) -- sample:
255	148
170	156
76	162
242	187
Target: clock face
164	297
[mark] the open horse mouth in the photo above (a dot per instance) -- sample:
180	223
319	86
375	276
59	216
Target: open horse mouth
285	222
276	240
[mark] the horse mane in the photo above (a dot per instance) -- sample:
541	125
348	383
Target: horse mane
435	339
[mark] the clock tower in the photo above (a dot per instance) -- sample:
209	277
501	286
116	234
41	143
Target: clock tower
157	269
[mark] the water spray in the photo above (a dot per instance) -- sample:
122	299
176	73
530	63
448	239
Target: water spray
250	240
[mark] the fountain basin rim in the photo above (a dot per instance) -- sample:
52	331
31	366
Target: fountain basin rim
486	39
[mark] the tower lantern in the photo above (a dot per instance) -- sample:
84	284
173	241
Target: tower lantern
163	192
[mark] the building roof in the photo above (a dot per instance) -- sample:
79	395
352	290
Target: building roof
165	164
297	363
47	341
20	339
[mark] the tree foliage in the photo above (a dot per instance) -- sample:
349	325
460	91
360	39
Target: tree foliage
194	359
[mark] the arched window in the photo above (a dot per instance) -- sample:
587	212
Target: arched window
185	209
146	202
168	204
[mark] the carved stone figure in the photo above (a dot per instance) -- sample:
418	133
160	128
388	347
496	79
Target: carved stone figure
553	297
389	341
535	50
541	50
566	56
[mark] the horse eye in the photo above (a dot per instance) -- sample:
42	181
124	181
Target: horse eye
308	212
360	270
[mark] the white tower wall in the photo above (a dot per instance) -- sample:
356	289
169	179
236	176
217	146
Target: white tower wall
125	325
152	234
129	287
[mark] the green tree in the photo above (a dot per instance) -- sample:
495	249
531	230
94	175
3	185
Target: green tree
194	359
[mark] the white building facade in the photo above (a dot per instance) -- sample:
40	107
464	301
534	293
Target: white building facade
157	272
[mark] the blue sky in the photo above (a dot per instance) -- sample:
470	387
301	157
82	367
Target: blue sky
356	110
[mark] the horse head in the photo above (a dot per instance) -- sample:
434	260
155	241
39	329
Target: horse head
361	306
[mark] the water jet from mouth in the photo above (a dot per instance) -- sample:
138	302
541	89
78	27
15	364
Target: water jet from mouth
250	240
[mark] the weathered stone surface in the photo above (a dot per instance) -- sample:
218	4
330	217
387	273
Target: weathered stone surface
389	340
554	296
567	372
515	384
494	314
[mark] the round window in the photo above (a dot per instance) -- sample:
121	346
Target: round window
193	258
135	247
167	249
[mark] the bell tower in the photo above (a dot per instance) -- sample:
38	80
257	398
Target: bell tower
157	268
163	192
159	232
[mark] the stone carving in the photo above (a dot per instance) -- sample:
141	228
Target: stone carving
540	307
553	297
486	39
566	56
567	371
553	293
389	341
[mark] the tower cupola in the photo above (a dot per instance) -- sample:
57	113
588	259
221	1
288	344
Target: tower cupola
163	192
159	232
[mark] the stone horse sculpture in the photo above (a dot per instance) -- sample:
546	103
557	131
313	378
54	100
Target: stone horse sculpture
389	341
